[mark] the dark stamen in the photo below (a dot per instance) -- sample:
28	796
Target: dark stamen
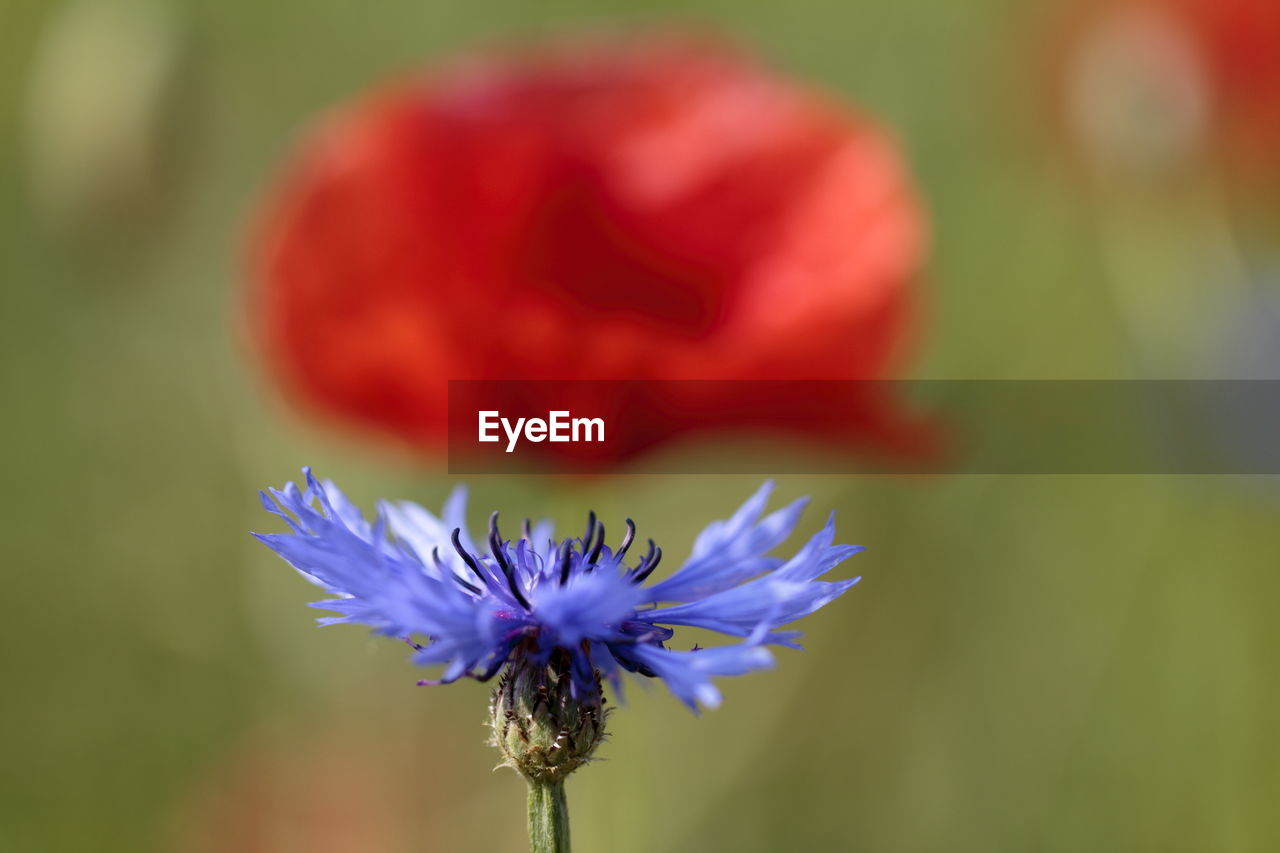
500	556
650	563
591	531
445	570
627	538
595	549
526	531
647	557
467	558
566	556
467	585
495	545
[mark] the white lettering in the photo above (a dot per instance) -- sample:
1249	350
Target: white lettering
559	426
487	424
587	424
558	421
513	435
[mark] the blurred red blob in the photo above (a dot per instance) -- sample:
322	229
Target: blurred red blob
267	802
1240	40
645	208
1159	83
340	785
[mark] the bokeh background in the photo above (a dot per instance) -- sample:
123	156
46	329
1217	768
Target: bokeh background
1031	663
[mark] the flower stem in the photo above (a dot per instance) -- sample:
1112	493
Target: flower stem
548	818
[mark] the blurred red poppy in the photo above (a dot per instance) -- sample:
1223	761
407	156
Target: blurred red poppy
1156	83
645	208
1240	40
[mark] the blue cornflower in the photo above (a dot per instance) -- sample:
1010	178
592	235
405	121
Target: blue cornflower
574	606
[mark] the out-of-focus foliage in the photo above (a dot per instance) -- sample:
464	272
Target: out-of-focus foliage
1073	664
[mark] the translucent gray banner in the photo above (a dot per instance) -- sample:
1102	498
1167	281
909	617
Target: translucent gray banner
1149	427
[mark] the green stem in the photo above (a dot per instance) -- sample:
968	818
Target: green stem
548	818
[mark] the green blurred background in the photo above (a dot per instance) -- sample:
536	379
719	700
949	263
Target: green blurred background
1031	663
